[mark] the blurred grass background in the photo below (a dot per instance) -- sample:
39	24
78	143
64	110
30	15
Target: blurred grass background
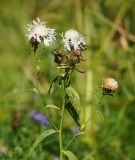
109	28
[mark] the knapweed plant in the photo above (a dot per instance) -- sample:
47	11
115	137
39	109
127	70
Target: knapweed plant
66	60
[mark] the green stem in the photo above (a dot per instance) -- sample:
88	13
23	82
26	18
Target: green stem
70	75
69	143
61	121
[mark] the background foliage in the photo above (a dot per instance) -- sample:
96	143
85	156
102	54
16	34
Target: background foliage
109	28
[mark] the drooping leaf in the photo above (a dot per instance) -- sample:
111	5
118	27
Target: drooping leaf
40	138
53	81
70	155
52	106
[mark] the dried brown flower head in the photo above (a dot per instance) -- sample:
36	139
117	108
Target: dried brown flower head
34	43
58	56
109	86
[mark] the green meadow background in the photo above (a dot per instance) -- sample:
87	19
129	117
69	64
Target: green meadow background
109	28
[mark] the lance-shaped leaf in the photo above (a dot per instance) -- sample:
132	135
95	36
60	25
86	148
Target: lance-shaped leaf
73	98
52	106
51	85
40	138
73	104
74	114
70	155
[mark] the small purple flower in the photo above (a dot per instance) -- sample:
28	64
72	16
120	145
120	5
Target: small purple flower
40	118
74	130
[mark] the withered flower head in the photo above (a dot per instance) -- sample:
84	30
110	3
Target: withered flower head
58	56
109	85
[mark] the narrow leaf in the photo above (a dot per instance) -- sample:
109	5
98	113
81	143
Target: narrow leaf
80	133
40	138
70	155
53	81
52	106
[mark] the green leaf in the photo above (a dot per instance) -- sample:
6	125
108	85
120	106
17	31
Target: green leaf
34	90
73	104
70	155
51	85
52	106
74	114
83	126
40	138
80	133
73	98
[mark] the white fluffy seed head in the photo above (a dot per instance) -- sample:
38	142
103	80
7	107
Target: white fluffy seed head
72	40
41	33
110	84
